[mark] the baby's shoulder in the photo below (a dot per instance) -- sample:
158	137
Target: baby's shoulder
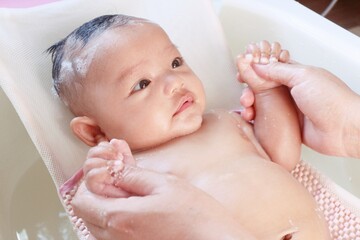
224	119
223	114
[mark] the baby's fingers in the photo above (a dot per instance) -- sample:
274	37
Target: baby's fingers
246	73
248	114
247	98
275	52
254	50
103	150
123	151
265	51
278	54
102	181
284	56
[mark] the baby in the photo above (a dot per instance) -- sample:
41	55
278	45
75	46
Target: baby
123	78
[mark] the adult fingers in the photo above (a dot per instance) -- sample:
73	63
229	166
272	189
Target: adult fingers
286	74
143	182
96	232
102	211
101	182
94	209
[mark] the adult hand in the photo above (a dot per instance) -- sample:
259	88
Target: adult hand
164	207
330	115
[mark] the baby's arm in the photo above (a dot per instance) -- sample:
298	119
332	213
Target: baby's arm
103	165
276	123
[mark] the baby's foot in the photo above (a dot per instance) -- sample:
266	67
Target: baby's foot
261	53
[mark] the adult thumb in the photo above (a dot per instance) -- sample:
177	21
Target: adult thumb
283	73
139	181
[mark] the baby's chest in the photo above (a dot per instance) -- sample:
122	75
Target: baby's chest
219	145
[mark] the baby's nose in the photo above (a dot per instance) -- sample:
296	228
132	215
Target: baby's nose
172	84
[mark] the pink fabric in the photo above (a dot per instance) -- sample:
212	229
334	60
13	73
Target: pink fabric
71	183
340	208
78	224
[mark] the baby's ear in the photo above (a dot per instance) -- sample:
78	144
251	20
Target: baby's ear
87	130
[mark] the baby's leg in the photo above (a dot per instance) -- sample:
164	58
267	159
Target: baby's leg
103	167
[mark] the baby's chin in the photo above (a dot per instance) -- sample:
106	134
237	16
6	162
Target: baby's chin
190	128
181	130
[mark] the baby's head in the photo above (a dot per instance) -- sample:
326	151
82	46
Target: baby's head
122	77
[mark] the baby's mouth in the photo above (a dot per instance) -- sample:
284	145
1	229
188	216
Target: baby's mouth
185	102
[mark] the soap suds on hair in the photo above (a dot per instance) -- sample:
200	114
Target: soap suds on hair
83	62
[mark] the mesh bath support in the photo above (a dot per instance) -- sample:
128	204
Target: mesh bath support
25	77
341	210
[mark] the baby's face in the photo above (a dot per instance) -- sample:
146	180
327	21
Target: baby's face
140	89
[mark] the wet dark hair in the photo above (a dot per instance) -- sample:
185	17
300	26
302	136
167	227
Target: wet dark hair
78	39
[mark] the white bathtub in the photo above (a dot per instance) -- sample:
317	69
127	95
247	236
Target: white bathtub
29	205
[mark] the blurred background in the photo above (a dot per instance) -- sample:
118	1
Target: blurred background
345	13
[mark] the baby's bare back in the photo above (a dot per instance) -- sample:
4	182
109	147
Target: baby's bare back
224	159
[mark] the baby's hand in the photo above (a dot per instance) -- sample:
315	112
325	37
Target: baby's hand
261	53
102	169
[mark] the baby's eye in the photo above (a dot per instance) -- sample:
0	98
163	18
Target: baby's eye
141	85
177	62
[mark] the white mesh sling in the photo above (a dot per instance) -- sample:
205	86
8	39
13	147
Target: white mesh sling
25	77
